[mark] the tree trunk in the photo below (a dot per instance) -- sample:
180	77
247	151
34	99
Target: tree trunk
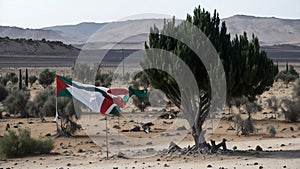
198	132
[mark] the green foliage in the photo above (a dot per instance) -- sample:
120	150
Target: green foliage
16	101
249	72
32	79
292	111
13	145
46	78
271	130
3	92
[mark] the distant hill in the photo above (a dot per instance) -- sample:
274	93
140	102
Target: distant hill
35	47
269	30
76	33
35	34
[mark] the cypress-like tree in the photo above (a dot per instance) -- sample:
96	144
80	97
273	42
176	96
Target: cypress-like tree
248	70
26	78
20	79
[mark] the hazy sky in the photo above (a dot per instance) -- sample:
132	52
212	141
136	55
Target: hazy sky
42	13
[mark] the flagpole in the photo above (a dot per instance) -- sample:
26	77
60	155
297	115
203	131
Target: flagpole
56	116
106	137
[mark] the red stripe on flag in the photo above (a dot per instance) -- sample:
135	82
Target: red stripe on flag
118	91
60	85
107	102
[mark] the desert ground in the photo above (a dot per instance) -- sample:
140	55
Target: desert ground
128	149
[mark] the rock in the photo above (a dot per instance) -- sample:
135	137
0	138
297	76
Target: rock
173	147
117	143
209	166
80	151
166	165
282	145
158	159
30	122
283	129
165	122
284	166
234	148
256	163
115	167
116	127
136	128
20	122
69	164
292	128
258	148
181	128
148	150
231	128
261	167
149	143
48	135
16	127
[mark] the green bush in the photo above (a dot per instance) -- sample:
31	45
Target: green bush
46	78
271	130
292	114
16	102
43	104
9	77
13	145
32	79
3	92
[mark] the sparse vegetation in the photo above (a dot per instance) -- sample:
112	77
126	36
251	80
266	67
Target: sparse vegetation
12	77
288	75
21	144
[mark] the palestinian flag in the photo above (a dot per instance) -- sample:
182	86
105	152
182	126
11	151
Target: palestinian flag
98	99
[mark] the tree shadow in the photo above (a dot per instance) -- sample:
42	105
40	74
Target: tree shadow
280	154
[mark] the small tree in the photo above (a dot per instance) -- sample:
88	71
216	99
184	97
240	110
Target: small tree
32	79
46	78
68	116
273	104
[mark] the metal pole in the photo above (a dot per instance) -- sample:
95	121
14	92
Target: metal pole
123	63
106	137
